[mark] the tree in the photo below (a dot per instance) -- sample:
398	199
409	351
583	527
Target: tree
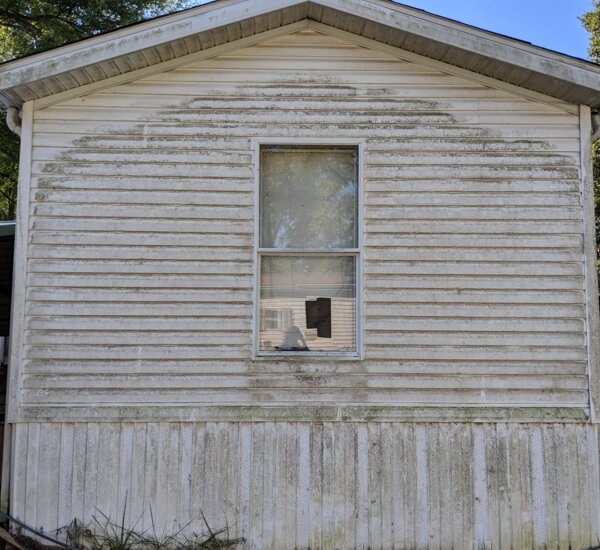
9	169
29	26
596	166
591	23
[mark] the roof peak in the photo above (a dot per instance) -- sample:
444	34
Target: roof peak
206	27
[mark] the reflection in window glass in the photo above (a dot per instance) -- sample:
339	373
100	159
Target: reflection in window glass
308	197
308	202
308	303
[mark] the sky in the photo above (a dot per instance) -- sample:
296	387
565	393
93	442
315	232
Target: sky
552	24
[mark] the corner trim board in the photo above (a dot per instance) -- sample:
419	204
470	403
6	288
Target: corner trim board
17	325
591	277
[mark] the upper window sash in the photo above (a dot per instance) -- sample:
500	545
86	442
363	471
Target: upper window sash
308	197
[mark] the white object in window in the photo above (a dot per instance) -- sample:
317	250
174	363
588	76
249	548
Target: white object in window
308	250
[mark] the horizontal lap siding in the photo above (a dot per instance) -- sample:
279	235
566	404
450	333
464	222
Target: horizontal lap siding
140	265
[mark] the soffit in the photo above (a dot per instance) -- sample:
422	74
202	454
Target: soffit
227	21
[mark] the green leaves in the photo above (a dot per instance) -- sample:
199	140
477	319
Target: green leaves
29	26
596	166
591	23
9	169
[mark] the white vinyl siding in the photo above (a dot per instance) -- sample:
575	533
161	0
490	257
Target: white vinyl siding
140	269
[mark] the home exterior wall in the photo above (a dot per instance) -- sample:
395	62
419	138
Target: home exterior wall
136	341
139	282
286	485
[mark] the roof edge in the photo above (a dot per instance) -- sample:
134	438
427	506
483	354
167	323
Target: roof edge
459	39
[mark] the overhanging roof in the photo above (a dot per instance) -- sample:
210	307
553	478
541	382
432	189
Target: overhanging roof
227	21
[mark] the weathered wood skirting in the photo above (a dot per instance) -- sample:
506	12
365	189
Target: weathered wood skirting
320	485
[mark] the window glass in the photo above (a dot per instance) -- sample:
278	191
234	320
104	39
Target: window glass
308	249
315	301
308	197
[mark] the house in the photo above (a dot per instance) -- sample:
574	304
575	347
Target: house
323	271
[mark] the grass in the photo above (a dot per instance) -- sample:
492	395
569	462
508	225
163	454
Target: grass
106	534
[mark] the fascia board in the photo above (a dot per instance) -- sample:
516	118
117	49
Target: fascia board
458	35
7	101
134	38
219	13
444	67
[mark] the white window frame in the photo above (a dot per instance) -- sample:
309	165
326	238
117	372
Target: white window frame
358	353
279	321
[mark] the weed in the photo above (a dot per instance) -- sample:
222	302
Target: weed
105	534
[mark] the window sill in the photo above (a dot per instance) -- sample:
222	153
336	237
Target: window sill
304	355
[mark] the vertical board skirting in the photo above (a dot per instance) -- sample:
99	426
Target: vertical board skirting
540	509
422	506
480	494
186	458
66	473
362	486
125	469
303	487
592	456
320	485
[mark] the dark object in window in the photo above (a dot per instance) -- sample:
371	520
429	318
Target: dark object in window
318	315
308	247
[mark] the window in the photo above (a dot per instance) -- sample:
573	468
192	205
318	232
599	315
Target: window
308	249
275	319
